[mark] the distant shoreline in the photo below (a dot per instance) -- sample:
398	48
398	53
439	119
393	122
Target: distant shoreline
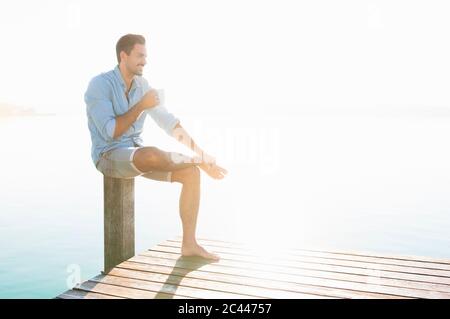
26	115
8	110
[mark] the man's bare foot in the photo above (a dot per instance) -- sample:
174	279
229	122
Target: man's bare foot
213	170
197	250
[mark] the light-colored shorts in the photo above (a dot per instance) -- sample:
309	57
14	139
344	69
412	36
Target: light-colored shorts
118	163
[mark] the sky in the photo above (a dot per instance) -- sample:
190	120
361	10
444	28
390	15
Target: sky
232	56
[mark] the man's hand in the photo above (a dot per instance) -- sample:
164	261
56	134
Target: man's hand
149	100
206	158
206	162
214	170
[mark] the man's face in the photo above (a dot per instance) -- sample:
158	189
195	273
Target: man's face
137	59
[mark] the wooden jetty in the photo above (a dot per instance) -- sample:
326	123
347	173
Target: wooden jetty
247	273
243	272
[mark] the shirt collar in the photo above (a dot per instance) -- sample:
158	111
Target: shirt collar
134	82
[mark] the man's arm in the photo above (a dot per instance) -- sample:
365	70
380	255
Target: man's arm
207	162
124	121
180	134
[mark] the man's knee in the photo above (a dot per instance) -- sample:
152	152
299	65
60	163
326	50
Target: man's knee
149	156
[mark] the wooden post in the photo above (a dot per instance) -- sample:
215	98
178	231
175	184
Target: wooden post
118	196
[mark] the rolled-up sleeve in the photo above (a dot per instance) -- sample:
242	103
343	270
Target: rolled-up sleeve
99	108
165	120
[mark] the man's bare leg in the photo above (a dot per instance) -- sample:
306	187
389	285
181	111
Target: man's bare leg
189	207
152	158
185	171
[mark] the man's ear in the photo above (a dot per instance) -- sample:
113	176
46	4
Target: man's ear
123	55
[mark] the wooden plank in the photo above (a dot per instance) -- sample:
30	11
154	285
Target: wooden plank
341	252
325	261
291	253
80	294
369	287
241	277
369	279
319	285
125	292
242	280
321	260
374	271
207	284
118	195
168	288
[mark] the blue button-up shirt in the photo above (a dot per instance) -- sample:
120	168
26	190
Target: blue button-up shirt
105	99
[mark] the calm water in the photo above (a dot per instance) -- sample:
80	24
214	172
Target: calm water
378	183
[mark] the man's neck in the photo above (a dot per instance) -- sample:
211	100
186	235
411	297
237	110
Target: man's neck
127	77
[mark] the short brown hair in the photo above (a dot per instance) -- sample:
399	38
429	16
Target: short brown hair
127	42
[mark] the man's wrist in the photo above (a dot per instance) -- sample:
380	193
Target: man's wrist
139	107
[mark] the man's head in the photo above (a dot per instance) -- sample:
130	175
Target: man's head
131	53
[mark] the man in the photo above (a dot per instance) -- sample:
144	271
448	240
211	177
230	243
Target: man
117	104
